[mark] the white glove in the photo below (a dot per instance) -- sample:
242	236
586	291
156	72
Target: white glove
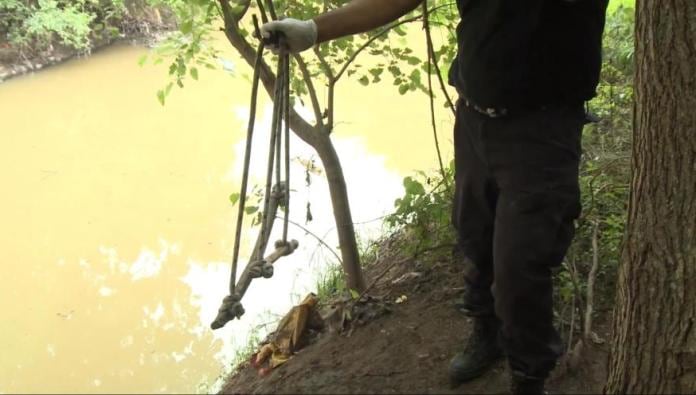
299	35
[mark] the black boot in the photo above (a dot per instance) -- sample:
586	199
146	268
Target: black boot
480	352
525	385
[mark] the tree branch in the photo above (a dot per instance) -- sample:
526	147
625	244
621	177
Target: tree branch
324	64
332	88
322	242
227	14
379	34
591	279
303	129
307	77
429	42
243	11
433	58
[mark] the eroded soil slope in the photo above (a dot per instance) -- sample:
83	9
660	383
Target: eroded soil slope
406	349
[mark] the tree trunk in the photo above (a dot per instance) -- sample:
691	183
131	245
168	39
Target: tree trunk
654	342
341	209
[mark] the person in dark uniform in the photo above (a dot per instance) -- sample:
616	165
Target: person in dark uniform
524	70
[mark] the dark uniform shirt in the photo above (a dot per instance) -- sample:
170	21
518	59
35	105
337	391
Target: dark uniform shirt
528	53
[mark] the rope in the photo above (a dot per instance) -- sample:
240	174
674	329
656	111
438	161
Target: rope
247	159
258	266
286	73
271	158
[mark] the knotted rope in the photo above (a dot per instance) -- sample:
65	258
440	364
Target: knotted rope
275	195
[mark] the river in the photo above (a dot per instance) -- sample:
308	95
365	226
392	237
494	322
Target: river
117	230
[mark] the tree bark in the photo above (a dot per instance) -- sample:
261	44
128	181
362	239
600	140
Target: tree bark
654	342
341	209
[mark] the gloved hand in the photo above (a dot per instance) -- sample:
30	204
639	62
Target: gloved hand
299	35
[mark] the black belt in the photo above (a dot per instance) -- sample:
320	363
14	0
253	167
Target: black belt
488	111
498	112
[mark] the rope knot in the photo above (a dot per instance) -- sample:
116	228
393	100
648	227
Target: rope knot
260	268
230	309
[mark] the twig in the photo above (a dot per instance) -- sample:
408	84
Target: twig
271	9
318	247
432	58
572	325
324	64
591	279
426	26
371	220
316	237
574	279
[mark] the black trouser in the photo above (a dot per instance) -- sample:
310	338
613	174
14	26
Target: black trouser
516	198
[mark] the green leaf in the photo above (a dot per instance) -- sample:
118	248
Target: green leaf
181	67
251	209
415	77
194	73
412	60
142	60
413	187
187	26
234	198
400	31
403	89
354	294
363	80
160	96
376	71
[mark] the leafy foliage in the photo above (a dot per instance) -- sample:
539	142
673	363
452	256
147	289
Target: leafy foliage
425	215
253	204
190	47
36	25
331	283
390	49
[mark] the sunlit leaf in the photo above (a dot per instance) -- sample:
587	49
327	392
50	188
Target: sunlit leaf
234	198
161	96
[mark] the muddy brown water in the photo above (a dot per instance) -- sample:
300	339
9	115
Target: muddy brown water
116	231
